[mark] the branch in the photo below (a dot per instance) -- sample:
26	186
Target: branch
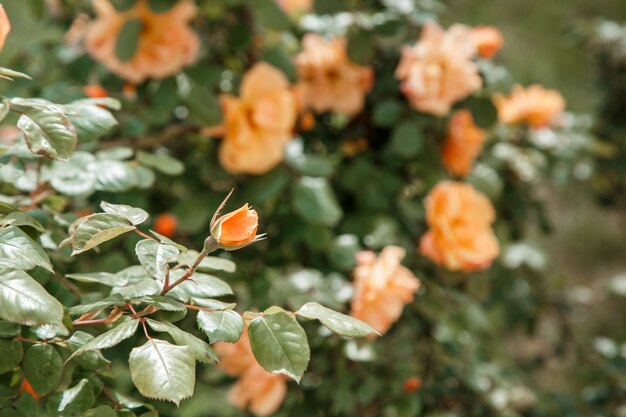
151	141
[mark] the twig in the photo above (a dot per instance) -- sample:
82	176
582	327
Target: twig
151	141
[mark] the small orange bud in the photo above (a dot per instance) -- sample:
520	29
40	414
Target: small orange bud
236	228
165	224
95	91
130	91
307	121
488	40
412	384
28	389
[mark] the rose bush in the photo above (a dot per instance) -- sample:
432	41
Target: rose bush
392	163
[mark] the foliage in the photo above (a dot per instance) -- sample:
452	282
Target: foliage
347	183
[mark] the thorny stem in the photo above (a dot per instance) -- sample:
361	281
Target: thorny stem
116	313
205	251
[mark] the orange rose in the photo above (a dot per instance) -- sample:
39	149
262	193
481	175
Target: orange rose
166	42
259	123
488	40
5	26
236	229
258	390
328	80
412	384
382	287
535	105
165	224
463	143
460	236
438	71
95	91
295	6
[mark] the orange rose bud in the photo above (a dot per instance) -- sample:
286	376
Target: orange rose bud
5	26
463	143
95	91
488	40
307	121
236	229
165	224
28	389
412	384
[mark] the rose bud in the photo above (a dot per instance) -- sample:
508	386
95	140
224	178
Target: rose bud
236	229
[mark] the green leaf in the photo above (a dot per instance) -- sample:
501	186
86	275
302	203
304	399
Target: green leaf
115	176
48	132
279	344
360	47
101	411
163	303
155	257
89	360
128	39
162	163
114	300
109	102
90	121
208	263
131	275
97	229
11	356
43	368
23	300
73	177
387	112
9	330
407	139
219	326
18	218
315	201
163	371
109	339
269	14
133	214
139	289
201	350
199	285
335	321
17	250
71	401
10	74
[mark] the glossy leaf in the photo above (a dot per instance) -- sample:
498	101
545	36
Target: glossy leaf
19	251
97	229
163	371
11	356
23	300
279	344
335	321
133	214
109	339
201	350
72	401
219	326
315	201
154	257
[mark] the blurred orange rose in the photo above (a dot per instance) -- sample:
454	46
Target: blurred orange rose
258	390
438	71
535	105
95	91
28	389
488	40
166	42
5	26
382	287
165	224
328	80
463	143
295	6
460	236
259	123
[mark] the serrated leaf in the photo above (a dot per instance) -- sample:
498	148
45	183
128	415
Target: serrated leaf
48	132
133	214
19	251
155	257
167	240
315	201
114	300
139	289
11	356
131	275
73	177
97	229
163	303
23	300
279	344
201	350
213	304
224	325
114	176
199	285
163	371
90	121
71	401
43	368
162	163
109	339
335	321
101	411
19	218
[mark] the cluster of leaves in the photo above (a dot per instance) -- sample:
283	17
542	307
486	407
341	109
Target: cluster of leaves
320	207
